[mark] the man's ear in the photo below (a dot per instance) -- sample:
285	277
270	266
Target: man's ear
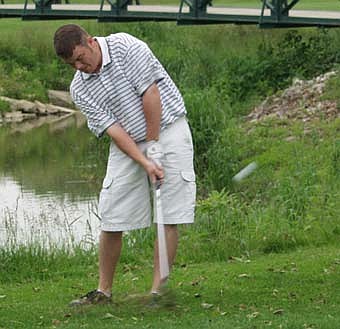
91	42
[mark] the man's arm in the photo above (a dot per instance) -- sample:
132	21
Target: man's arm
152	111
125	143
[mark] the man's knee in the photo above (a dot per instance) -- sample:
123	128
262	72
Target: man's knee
171	228
111	235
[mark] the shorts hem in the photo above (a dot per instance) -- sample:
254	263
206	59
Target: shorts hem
122	228
174	221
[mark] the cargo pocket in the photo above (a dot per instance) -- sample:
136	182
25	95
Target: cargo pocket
107	182
189	182
105	197
188	176
178	197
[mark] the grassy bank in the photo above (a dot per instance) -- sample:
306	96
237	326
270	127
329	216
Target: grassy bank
296	290
284	218
290	201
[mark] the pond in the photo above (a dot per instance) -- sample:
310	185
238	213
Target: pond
50	177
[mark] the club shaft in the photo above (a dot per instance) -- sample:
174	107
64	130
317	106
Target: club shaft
162	247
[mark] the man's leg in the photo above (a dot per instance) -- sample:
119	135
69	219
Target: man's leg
171	235
110	246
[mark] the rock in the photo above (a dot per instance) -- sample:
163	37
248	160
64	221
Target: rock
22	110
41	108
51	109
18	116
20	104
26	106
61	98
54	109
301	101
14	116
29	116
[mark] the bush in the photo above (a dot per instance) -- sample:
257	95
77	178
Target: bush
4	107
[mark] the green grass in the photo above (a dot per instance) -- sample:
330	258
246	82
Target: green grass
4	107
292	290
289	206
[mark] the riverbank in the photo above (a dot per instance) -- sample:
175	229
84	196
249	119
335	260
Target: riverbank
295	290
20	116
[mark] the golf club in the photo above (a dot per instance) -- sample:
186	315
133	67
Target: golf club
162	248
245	172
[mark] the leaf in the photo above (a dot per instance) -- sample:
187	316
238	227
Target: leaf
238	259
278	311
55	322
207	306
242	307
253	315
108	316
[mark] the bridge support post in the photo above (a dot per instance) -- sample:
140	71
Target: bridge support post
279	9
197	8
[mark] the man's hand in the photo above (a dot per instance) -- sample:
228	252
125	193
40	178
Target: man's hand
155	172
128	146
154	152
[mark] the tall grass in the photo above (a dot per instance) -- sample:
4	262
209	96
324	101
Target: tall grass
291	200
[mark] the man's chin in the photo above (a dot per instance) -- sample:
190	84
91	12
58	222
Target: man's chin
87	71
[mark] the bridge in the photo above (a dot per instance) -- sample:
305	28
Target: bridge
271	13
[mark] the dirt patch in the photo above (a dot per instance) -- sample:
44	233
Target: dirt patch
301	101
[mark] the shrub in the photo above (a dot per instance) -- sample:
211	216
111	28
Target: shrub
4	107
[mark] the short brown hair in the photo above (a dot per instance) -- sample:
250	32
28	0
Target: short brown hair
67	37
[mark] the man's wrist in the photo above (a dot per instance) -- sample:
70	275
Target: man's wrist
151	142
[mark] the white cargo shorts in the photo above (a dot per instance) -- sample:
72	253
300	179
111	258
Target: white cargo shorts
125	203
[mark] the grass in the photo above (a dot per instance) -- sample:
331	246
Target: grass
292	290
4	107
262	254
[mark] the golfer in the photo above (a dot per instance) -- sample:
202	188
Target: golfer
125	92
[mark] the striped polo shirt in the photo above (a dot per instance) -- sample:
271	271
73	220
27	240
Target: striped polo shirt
114	94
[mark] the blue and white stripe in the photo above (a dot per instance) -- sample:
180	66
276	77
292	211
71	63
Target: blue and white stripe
115	94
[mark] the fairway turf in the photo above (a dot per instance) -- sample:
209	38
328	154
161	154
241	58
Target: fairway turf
292	290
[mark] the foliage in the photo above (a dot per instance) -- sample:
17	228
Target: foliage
4	107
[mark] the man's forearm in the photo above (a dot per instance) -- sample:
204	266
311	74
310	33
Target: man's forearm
125	143
152	111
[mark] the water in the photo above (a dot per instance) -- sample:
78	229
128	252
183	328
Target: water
49	183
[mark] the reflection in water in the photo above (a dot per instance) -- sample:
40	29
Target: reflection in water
46	220
49	183
54	123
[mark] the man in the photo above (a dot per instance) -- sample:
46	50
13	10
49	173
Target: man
125	92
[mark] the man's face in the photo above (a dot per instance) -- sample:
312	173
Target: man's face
86	59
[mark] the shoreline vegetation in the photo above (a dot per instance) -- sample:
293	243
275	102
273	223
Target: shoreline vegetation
263	253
